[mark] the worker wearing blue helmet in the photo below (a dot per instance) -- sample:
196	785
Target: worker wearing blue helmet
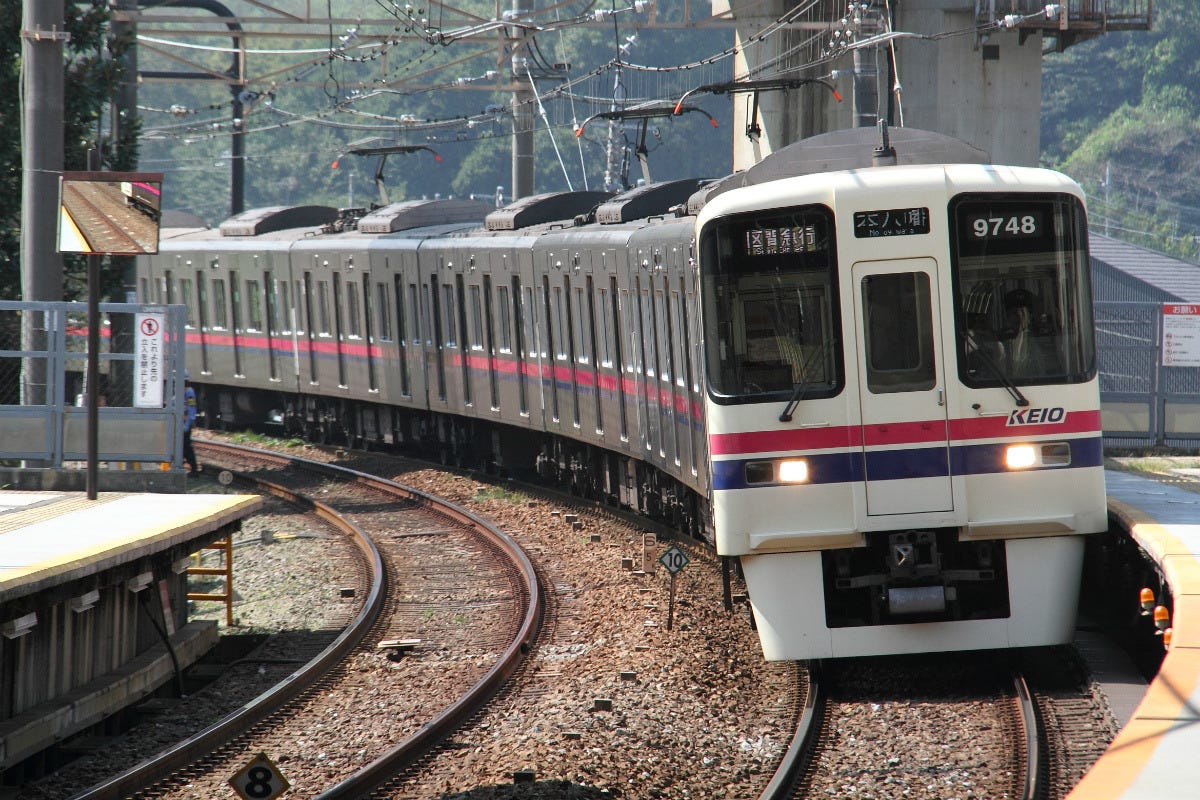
189	422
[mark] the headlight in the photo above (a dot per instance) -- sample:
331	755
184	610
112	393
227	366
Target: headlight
1019	456
793	471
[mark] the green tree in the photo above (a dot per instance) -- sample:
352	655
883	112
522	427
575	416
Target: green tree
1118	115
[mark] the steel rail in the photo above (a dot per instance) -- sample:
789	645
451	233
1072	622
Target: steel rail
163	764
179	756
804	739
1033	785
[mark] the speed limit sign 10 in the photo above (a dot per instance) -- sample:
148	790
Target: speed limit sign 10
673	559
259	780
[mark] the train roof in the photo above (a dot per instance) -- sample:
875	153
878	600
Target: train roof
553	212
844	150
542	209
411	214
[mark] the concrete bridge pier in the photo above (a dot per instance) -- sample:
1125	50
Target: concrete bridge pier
985	90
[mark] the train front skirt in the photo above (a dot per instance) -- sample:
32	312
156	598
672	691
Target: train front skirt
787	597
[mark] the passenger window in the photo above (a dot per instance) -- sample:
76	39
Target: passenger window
254	321
448	315
476	319
187	298
323	308
354	329
505	319
220	316
383	312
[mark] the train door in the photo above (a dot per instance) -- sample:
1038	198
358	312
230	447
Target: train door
522	347
310	326
668	445
489	341
271	323
682	372
339	330
571	344
902	395
286	315
644	342
616	295
549	351
406	330
594	341
202	320
431	316
376	328
465	341
235	322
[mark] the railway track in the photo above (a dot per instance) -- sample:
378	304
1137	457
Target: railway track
455	542
858	739
103	218
486	749
1037	768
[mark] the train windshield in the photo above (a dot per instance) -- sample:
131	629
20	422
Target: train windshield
768	282
1022	283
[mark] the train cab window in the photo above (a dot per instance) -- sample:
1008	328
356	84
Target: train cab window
768	283
1021	278
220	317
898	323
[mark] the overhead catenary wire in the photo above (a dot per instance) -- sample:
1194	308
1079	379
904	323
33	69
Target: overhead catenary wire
549	129
567	90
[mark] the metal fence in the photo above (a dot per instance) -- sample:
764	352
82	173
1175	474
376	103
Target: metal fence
43	356
43	364
1143	403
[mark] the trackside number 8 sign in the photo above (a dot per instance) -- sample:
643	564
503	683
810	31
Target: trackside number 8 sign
259	780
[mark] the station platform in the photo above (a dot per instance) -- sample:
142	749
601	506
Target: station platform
93	604
1154	755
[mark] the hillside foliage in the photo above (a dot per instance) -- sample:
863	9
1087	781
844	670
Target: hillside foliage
1118	115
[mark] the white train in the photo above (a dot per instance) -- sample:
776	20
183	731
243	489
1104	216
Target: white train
872	386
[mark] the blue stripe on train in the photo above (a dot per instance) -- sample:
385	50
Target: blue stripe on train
887	465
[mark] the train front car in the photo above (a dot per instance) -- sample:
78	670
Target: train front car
903	409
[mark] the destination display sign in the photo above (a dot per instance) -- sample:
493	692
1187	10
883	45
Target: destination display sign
891	222
781	240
